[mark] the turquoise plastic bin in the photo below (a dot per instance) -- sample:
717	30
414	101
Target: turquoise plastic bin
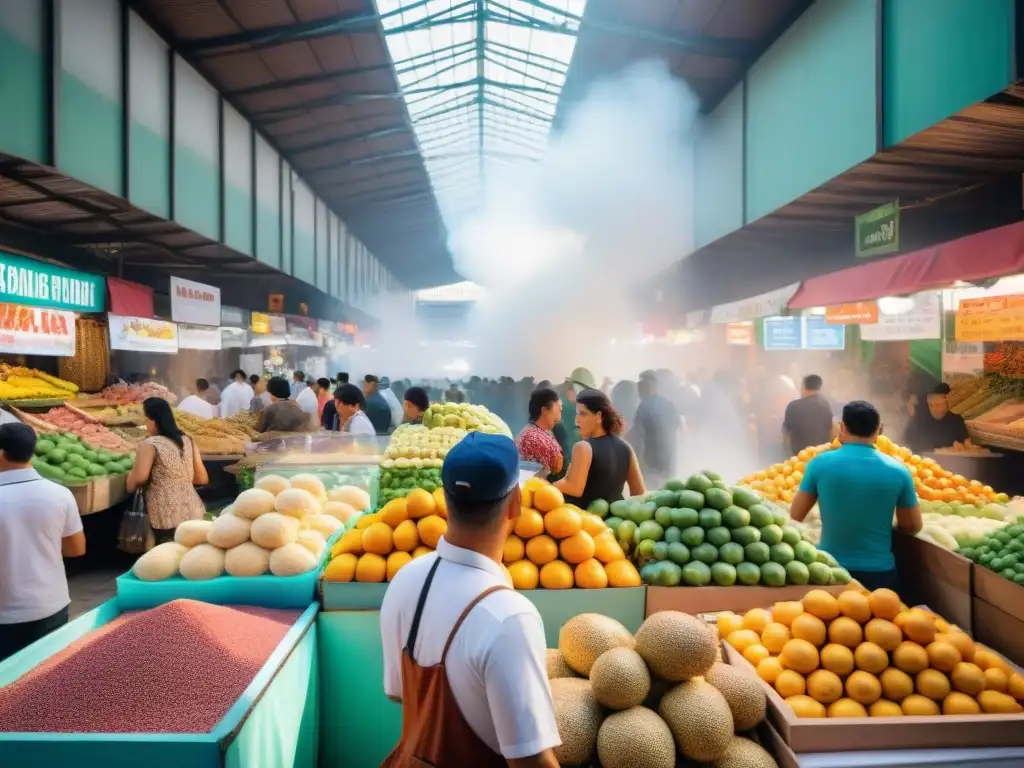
267	591
274	724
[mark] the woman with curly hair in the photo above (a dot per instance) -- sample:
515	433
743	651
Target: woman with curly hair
602	463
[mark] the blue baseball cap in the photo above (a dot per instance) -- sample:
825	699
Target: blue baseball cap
481	467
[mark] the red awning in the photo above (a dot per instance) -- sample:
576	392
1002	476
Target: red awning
995	253
130	299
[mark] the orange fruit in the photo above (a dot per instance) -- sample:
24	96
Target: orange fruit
394	512
622	573
406	537
365	521
996	680
785	612
757	619
513	550
932	684
755	654
577	548
790	683
769	670
885	708
774	636
820	603
968	678
378	539
441	502
837	658
919	627
556	575
943	656
884	634
607	549
810	628
371	568
960	704
870	658
542	549
728	622
396	561
420	504
530	523
431	529
863	687
742	638
800	656
824	686
341	568
1016	687
885	604
524	574
805	706
994	702
910	657
351	542
593	524
986	659
563	522
896	684
846	708
420	551
590	574
918	705
845	631
854	605
963	643
547	498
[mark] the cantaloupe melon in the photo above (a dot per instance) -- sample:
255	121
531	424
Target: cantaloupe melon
202	562
325	525
578	716
585	637
699	718
229	531
296	502
633	738
743	693
339	509
743	753
355	497
310	483
620	679
192	532
246	560
291	560
556	665
675	645
253	503
313	541
274	530
273	484
161	562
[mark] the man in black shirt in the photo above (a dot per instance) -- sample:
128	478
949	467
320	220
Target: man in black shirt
939	427
808	421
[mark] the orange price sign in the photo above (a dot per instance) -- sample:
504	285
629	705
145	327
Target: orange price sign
858	313
998	318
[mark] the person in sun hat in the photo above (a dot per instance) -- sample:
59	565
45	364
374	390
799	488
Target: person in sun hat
454	630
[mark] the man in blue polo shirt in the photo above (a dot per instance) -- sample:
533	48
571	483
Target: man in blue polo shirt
857	488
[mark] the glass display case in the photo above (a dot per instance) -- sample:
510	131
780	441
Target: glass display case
334	469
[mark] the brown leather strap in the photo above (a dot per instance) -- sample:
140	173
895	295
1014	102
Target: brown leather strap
473	604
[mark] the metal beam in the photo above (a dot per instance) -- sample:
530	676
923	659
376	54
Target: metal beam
380	133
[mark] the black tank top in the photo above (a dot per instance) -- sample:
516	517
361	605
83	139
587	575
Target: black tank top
608	470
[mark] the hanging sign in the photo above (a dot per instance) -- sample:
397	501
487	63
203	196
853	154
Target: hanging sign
199	337
139	334
275	303
852	314
877	231
764	305
998	318
278	324
739	334
233	317
38	284
36	331
807	333
923	321
259	323
194	302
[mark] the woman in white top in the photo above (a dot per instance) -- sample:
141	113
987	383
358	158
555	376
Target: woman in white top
349	400
236	396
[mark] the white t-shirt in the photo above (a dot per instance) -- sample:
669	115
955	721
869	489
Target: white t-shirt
35	514
496	665
236	397
198	407
397	412
360	424
307	401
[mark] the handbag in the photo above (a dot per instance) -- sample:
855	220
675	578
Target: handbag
134	534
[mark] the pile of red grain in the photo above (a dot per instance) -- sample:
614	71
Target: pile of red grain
177	668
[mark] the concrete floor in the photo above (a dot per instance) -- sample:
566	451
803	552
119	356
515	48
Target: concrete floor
90	588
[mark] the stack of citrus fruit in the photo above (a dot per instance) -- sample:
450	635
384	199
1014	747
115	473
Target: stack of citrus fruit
866	654
780	482
378	545
556	545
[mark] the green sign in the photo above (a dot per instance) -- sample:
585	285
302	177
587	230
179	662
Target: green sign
878	231
39	284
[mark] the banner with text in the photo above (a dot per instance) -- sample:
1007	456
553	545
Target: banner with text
805	332
194	303
139	334
852	314
923	321
763	305
36	331
41	284
997	318
199	337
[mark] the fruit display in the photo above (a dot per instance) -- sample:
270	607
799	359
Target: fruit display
867	654
555	545
1001	551
659	698
107	414
780	482
280	528
382	543
66	459
213	436
953	532
123	393
465	416
976	397
413	459
69	419
20	383
700	531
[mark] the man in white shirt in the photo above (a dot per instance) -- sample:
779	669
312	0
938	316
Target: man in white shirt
198	404
237	396
352	419
495	667
307	401
298	383
39	523
397	411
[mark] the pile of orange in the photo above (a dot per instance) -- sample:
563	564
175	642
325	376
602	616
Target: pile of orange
866	654
780	482
555	545
378	545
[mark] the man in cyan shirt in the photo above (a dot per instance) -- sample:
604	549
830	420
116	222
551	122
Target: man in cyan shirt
857	488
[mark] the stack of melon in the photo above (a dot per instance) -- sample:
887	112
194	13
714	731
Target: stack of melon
556	545
652	699
281	527
866	654
379	545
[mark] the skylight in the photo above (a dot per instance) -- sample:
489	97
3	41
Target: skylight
481	80
455	292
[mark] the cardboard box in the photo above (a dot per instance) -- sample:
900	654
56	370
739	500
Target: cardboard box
999	630
857	734
695	600
936	577
999	592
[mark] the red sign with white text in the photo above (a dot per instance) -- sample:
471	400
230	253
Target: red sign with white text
36	331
